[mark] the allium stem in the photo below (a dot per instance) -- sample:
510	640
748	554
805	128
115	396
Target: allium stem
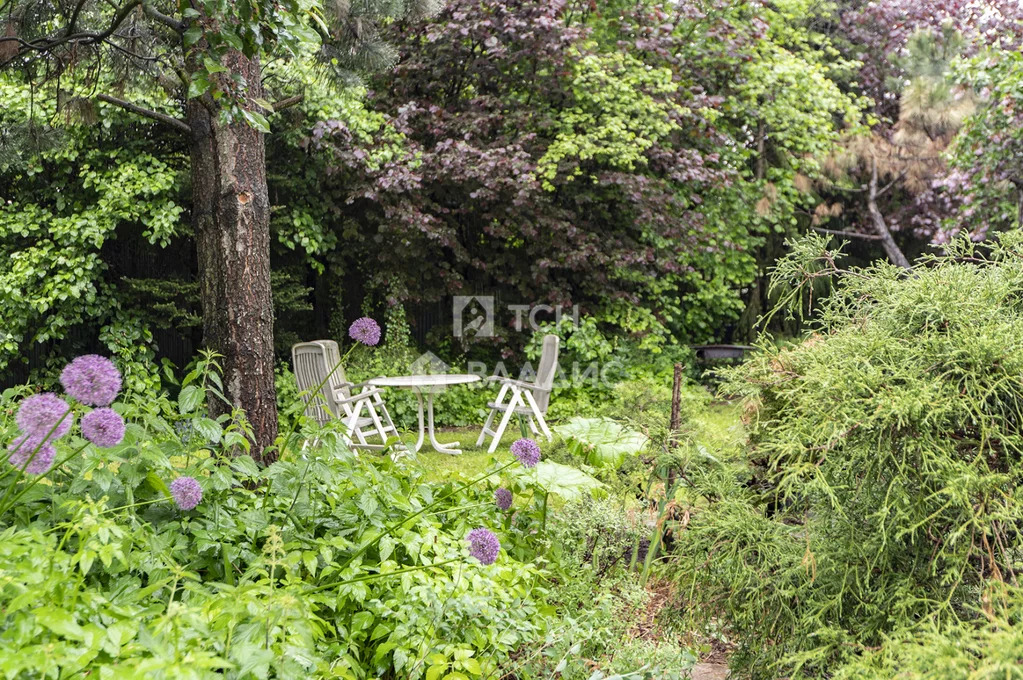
5	505
21	470
371	577
394	527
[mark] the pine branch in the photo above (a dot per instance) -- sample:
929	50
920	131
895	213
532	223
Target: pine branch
42	45
161	117
288	102
156	15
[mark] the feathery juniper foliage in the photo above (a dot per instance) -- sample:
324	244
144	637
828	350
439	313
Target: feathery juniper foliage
886	452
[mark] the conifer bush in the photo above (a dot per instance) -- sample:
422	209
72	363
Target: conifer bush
885	453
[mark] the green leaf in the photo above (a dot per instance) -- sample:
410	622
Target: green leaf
190	398
362	620
605	442
60	621
192	36
213	66
256	120
563	480
386	547
157	484
244	465
209	429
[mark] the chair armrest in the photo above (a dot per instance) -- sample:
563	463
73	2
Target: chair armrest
355	397
517	383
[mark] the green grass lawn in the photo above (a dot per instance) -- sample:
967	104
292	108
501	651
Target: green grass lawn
719	429
473	461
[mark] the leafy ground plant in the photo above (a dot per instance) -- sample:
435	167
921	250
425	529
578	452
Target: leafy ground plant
171	553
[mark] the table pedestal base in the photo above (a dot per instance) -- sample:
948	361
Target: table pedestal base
452	449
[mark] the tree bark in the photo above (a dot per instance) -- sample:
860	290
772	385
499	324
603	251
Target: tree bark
880	226
231	214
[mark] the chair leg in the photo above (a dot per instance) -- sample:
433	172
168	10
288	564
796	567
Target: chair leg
486	426
379	426
353	428
516	400
532	426
539	416
385	415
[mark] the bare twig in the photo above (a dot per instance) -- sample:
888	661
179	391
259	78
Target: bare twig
880	226
850	234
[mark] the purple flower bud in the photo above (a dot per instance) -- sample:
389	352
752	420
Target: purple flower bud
186	492
365	330
92	380
103	427
22	451
41	413
527	451
483	545
503	498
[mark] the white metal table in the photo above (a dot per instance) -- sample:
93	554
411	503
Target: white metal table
419	384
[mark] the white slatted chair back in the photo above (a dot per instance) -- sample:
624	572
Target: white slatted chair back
546	371
310	365
338	381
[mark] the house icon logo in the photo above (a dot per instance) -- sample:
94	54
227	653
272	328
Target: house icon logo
429	363
473	315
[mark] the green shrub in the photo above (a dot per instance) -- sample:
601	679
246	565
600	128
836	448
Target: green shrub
885	462
985	648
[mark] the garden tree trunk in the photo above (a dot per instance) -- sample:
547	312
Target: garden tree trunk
675	422
891	248
231	213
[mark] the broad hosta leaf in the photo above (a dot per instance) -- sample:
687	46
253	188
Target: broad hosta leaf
604	442
563	480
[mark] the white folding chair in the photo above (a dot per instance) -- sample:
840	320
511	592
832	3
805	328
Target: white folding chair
319	363
517	397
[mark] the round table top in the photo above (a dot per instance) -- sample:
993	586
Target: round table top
438	380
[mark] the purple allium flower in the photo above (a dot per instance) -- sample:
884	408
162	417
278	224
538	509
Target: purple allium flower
22	449
483	545
41	413
527	451
365	330
92	380
186	492
503	498
103	427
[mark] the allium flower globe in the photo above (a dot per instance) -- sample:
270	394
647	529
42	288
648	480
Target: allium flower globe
40	413
527	451
483	545
503	498
103	427
365	330
186	492
92	380
22	449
